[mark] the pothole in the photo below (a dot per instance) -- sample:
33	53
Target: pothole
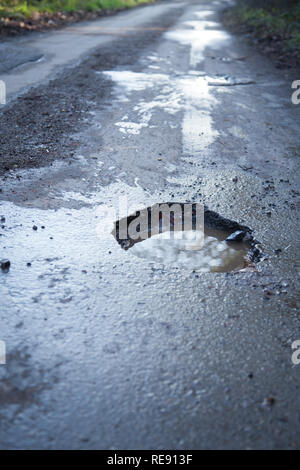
213	244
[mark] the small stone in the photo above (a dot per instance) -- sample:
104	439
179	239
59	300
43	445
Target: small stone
277	251
237	236
234	179
2	218
268	294
270	401
5	265
28	264
34	227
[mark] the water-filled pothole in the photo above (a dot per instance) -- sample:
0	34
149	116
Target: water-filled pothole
210	243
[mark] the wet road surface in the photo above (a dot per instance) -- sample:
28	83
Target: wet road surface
110	350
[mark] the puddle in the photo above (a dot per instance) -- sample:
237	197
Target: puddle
213	256
229	81
204	14
198	42
215	245
189	93
133	81
199	34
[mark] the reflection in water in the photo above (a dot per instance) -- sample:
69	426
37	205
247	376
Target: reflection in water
212	255
190	93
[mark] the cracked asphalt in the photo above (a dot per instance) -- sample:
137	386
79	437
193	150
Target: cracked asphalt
106	350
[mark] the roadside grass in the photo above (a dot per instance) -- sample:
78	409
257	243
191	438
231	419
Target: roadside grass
279	23
20	9
274	25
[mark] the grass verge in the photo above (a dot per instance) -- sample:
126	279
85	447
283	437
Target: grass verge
18	15
275	28
27	9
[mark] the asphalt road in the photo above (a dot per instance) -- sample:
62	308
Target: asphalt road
106	350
